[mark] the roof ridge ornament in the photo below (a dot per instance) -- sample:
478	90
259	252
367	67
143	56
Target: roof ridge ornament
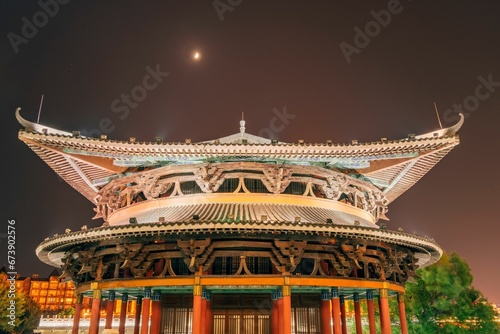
242	124
449	131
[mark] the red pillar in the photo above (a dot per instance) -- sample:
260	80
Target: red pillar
155	313
385	318
197	309
402	313
326	318
203	312
138	307
95	312
336	311
110	306
280	311
287	309
275	314
343	315
76	317
208	313
371	312
123	313
146	305
357	314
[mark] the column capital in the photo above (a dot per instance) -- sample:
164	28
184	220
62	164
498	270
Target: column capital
156	296
356	297
111	295
342	299
197	290
96	294
335	292
147	293
124	297
279	294
79	298
138	300
325	295
384	293
287	290
369	295
401	297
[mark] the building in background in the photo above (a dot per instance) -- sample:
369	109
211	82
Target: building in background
51	293
240	234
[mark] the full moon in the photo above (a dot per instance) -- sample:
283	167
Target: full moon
196	55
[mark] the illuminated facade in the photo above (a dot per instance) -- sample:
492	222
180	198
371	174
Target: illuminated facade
239	234
50	293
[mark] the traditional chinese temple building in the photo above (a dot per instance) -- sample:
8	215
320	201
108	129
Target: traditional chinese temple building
240	234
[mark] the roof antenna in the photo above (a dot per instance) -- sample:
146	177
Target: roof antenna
437	114
39	110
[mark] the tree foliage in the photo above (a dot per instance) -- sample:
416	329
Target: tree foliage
444	301
66	312
19	313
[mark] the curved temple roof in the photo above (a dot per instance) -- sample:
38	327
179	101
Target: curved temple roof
88	164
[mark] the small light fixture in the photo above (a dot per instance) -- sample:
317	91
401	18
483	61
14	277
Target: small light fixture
297	219
104	137
383	139
76	133
263	217
383	227
158	140
329	221
274	141
411	136
329	142
161	219
67	231
357	223
132	139
188	141
301	141
132	220
354	142
84	227
196	217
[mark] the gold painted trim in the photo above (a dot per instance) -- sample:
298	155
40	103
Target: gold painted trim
242	281
197	290
96	294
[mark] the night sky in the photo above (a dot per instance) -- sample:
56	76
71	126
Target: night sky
312	58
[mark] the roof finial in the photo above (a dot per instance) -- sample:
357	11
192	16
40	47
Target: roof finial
242	123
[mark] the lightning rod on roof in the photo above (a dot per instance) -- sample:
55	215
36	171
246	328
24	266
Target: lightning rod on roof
39	110
437	114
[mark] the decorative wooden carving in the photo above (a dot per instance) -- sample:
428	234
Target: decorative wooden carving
156	183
